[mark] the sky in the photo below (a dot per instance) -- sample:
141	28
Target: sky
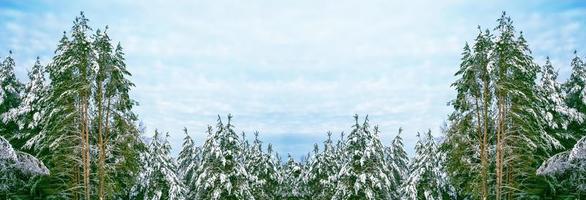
292	70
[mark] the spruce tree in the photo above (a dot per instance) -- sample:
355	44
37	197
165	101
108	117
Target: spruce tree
397	162
264	177
522	141
10	98
221	174
187	164
364	174
291	186
322	171
575	90
557	115
158	179
427	178
29	113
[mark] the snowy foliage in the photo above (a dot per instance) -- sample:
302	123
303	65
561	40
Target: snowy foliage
222	174
15	165
320	177
263	171
555	111
397	161
572	161
158	179
10	98
427	178
291	185
188	161
365	173
569	167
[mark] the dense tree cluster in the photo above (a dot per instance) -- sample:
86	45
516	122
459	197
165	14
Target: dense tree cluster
357	167
509	116
514	133
75	115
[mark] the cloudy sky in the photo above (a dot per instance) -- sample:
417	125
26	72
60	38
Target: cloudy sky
292	70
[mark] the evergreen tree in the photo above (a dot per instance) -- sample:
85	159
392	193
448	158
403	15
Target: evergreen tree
557	115
59	143
10	90
470	124
264	177
222	174
397	162
364	174
291	186
121	143
427	179
88	93
158	179
575	90
188	162
321	174
29	113
521	141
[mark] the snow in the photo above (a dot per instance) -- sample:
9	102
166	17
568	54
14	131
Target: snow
566	162
7	153
31	165
578	153
557	164
20	161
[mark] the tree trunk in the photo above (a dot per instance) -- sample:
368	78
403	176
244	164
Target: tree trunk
100	142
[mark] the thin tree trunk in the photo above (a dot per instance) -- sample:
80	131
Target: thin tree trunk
86	144
482	148
82	143
484	153
499	148
107	129
100	143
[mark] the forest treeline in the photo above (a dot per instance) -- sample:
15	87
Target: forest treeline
515	133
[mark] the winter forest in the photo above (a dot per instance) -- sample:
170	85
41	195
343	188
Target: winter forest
515	132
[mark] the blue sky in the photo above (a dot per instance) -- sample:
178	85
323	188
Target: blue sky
292	70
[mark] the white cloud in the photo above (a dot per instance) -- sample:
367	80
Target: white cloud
293	69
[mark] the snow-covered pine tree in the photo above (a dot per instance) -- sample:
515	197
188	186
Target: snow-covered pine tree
469	132
121	136
340	150
28	114
158	179
364	175
323	167
103	65
427	179
10	98
522	142
557	115
274	169
291	186
397	162
464	157
264	177
222	174
59	143
187	165
575	90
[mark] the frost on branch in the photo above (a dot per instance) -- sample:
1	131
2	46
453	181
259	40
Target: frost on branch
30	165
568	161
569	165
11	161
